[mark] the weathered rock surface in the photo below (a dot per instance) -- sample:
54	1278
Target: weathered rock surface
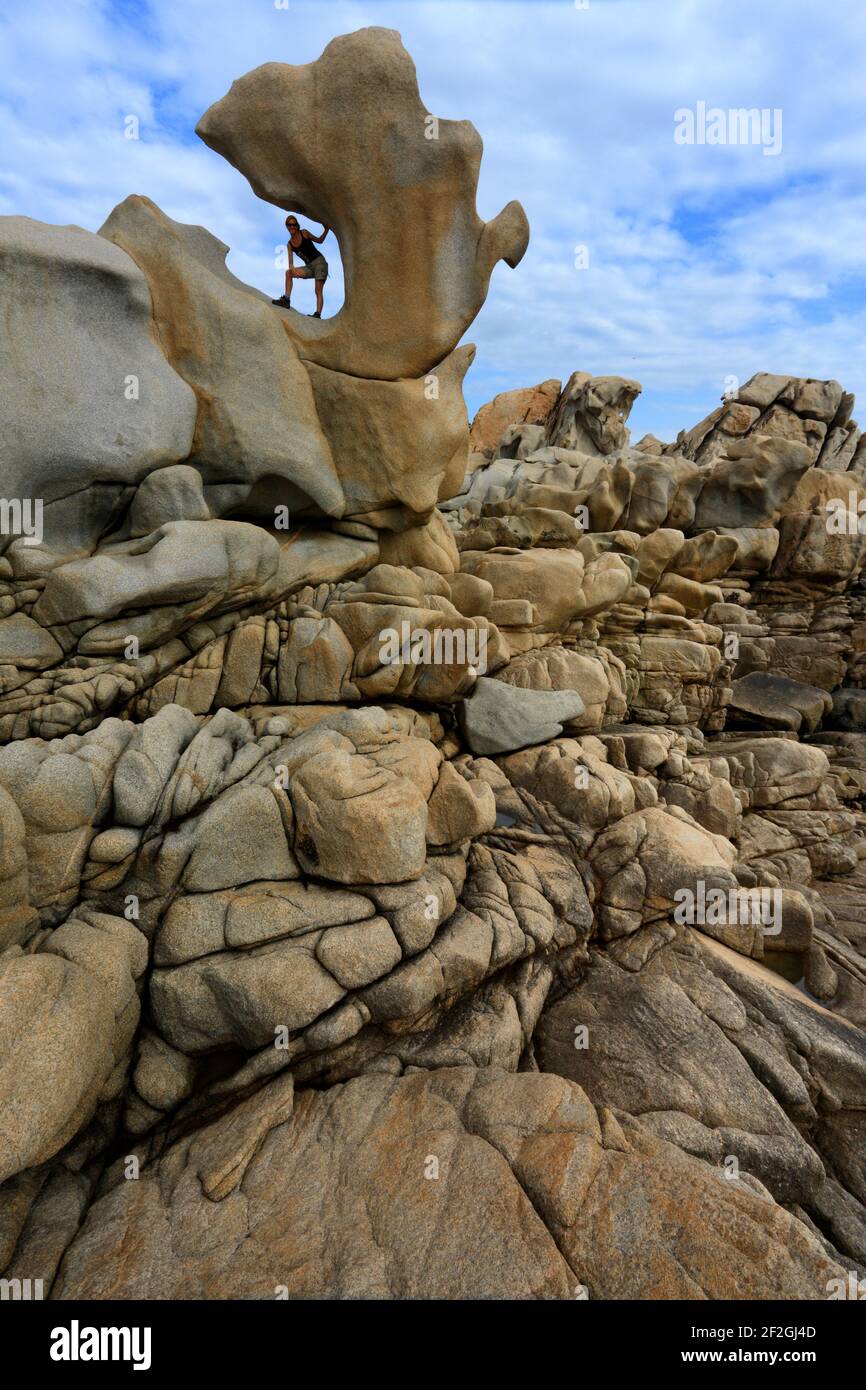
528	405
396	321
499	718
505	1183
77	330
442	872
257	419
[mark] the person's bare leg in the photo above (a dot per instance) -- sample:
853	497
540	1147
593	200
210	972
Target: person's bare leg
320	296
287	292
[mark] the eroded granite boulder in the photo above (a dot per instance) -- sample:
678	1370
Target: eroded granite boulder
397	321
401	848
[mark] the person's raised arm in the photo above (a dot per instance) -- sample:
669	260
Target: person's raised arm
325	231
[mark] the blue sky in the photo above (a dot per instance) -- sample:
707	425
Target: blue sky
705	261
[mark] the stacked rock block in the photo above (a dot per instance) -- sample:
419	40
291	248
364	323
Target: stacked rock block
355	768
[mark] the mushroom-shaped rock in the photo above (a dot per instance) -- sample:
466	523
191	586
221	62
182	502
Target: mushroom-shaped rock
348	141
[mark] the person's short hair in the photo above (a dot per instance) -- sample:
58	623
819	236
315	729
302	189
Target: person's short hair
290	216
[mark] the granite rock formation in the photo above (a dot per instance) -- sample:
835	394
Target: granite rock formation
388	813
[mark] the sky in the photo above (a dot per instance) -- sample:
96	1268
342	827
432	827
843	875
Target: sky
685	265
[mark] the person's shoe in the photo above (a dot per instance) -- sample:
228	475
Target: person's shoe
283	302
316	315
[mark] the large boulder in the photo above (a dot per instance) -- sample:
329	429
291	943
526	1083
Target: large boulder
67	1018
749	484
776	702
591	414
499	718
527	405
89	406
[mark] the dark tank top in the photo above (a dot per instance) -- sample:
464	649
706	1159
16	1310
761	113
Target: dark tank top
307	250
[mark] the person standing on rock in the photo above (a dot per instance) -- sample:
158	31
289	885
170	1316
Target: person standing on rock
315	266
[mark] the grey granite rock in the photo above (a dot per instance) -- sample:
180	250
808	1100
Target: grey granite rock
384	844
499	718
87	400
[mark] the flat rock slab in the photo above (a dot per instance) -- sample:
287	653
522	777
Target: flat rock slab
500	718
778	702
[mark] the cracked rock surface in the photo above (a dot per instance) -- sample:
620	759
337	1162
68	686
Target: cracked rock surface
382	893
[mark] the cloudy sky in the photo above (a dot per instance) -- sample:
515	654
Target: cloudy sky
701	261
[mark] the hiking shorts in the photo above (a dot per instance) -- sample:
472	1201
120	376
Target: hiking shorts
317	270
